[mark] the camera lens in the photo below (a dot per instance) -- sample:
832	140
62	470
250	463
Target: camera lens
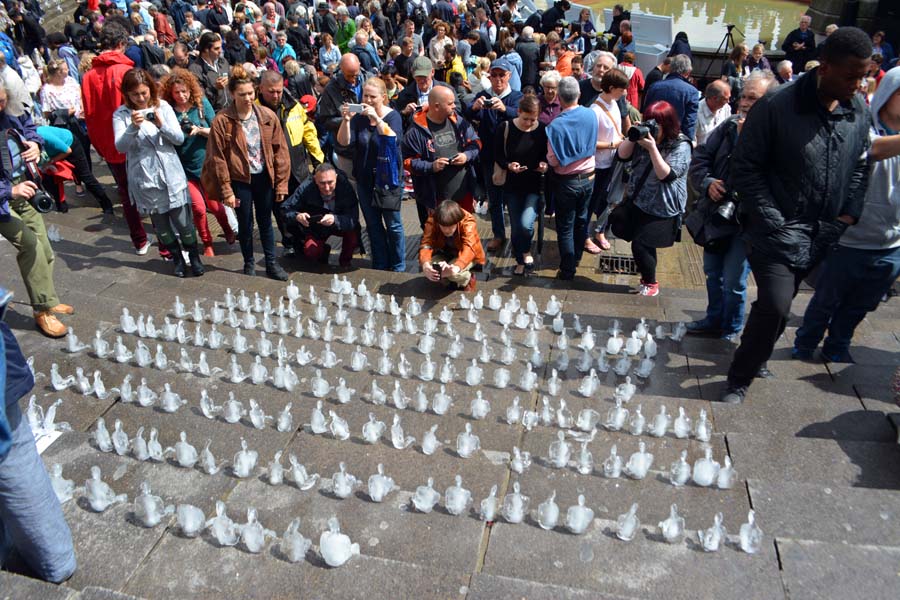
150	115
42	202
726	210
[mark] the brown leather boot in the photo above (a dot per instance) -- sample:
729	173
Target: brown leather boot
49	325
62	309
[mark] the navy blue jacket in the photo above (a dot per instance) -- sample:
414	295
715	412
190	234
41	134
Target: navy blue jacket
308	199
489	120
684	98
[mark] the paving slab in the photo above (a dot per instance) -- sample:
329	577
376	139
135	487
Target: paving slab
876	397
488	587
841	515
838	570
195	568
97	593
821	461
14	587
642	568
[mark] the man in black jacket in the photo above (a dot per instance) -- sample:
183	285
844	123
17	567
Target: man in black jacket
344	88
530	53
800	173
553	14
323	206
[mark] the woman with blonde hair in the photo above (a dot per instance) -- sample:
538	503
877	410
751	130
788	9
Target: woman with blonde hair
195	115
478	78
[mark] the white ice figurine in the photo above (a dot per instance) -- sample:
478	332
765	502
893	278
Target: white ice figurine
338	427
513	411
373	429
474	373
239	343
73	345
660	423
495	302
190	519
426	497
150	510
303	356
426	344
120	352
343	483
553	306
678	331
155	450
562	340
682	425
336	547
319	386
99	345
628	524
264	346
711	539
478	334
62	487
385	364
126	392
126	322
399	439
101	436
185	454
515	505
558	323
519	461
226	532
185	363
727	476
467	443
614	344
612	466
299	475
585	460
456	348
585	361
258	417
233	410
457	499
236	372
489	506
703	428
680	470
530	419
442	401
275	471
529	379
579	517
589	384
328	358
317	422
399	399
82	382
672	528
285	420
626	390
170	401
616	417
706	470
358	360
385	339
486	353
637	422
622	366
142	355
244	461
380	485
426	369
293	545
548	512
48	423
480	406
430	441
588	339
639	463
751	535
404	368
650	347
160	360
99	495
146	396
522	320
587	419
560	451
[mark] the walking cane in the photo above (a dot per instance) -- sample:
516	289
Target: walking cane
540	239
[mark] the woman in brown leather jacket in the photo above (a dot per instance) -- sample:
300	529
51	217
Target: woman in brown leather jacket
248	166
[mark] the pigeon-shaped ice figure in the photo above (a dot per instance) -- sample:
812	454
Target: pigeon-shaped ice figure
457	499
338	427
380	485
579	517
253	534
727	476
244	461
101	436
426	497
628	524
317	422
62	487
99	495
226	532
190	520
373	429
706	470
682	425
711	539
293	545
185	454
399	439
560	451
751	535
515	505
639	463
616	417
343	483
335	547
612	466
169	401
680	470
519	461
548	512
430	442
275	472
672	528
467	443
150	510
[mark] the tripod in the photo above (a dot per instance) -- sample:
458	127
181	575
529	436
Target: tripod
727	40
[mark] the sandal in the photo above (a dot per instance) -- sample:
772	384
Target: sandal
601	241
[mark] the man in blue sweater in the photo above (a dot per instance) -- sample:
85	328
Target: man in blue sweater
678	91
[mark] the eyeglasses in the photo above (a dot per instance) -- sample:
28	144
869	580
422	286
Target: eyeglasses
498	75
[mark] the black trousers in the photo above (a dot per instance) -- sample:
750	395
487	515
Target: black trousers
777	285
645	260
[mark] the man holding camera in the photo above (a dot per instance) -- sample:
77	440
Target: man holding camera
724	257
23	226
800	173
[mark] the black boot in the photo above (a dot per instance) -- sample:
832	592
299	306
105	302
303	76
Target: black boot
194	256
178	259
61	206
106	206
274	271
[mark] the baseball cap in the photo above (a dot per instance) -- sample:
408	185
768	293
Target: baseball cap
502	64
309	103
422	67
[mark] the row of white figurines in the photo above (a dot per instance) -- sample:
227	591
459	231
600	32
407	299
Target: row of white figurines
150	511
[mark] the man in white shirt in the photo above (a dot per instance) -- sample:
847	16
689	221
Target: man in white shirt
713	110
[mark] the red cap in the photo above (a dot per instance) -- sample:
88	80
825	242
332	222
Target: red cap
309	103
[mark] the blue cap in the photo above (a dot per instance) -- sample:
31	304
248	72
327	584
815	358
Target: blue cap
501	63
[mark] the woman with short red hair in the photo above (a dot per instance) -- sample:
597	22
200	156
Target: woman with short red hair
658	188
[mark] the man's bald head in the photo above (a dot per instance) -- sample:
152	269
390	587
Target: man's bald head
349	67
441	103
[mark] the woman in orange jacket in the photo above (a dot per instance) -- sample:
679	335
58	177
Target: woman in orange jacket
451	247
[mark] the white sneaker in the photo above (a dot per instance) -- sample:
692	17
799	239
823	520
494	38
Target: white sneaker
143	249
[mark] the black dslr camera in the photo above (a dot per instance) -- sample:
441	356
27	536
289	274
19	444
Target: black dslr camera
12	145
186	125
641	130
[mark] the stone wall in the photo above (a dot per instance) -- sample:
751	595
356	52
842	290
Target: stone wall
824	12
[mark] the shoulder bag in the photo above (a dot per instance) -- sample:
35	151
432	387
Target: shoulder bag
498	177
622	219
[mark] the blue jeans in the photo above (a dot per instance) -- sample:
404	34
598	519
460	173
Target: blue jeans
258	195
573	198
385	229
726	287
522	212
31	519
851	284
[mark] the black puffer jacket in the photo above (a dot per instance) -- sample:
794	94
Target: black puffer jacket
797	168
712	161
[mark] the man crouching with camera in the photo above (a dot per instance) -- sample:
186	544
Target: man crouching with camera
713	222
21	199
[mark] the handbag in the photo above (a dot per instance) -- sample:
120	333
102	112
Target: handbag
498	177
622	220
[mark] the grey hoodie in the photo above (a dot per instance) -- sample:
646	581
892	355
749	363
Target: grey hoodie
879	225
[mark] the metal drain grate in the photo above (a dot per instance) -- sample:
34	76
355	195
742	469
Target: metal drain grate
617	264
